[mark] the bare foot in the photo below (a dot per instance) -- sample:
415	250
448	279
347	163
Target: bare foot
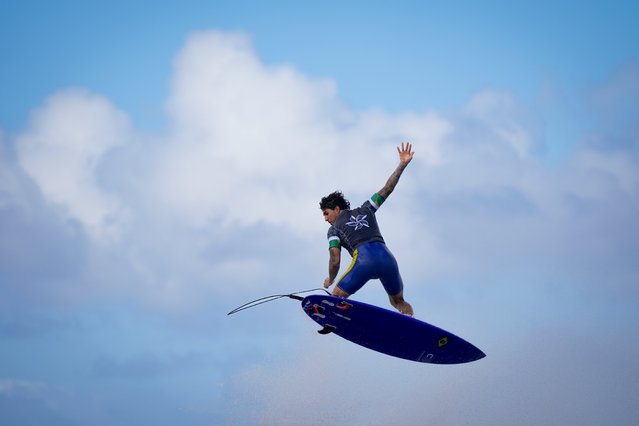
405	308
398	302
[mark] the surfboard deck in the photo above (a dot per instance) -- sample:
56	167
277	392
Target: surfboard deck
388	332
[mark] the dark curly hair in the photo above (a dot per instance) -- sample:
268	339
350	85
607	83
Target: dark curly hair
335	199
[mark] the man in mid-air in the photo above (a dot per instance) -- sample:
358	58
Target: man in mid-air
357	231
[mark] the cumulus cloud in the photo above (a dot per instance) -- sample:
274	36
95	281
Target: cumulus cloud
251	149
253	146
223	208
255	143
62	150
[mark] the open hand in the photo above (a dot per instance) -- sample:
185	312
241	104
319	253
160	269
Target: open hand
405	153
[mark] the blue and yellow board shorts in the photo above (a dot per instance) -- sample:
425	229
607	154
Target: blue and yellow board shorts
372	261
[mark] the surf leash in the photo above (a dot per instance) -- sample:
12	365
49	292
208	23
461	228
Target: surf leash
267	299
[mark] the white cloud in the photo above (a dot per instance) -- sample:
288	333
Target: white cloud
255	143
231	192
223	209
249	144
62	149
500	113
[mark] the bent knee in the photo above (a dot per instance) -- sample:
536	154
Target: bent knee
340	293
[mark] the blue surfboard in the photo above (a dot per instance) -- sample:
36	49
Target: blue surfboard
388	332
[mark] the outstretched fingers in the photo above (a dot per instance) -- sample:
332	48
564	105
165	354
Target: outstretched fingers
405	152
405	147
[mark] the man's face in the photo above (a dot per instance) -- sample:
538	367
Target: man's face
330	215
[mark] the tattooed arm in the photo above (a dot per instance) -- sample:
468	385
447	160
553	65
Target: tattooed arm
333	265
405	156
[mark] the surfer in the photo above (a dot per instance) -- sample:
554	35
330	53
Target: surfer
357	231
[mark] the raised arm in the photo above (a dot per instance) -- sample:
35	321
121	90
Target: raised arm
405	156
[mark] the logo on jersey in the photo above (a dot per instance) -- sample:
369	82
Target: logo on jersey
358	222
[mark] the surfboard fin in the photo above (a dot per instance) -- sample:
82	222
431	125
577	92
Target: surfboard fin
327	329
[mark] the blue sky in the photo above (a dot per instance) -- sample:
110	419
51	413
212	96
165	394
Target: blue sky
161	164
